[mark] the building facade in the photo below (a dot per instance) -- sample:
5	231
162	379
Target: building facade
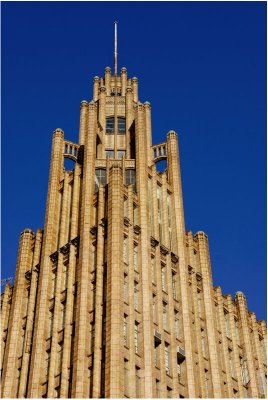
113	298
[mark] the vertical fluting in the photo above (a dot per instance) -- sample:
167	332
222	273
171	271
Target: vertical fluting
9	388
160	361
142	178
30	314
69	326
135	89
257	351
5	313
102	115
209	312
108	80
226	366
179	245
80	382
243	316
38	351
171	327
114	306
96	88
123	81
99	297
83	122
132	371
197	318
235	349
129	117
148	130
54	359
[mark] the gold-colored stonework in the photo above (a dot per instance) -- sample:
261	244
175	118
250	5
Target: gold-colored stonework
113	298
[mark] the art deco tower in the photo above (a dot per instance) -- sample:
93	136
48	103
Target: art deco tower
113	298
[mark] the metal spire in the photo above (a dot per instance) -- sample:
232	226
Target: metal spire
115	48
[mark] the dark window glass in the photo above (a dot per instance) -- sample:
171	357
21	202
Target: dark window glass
131	178
121	153
109	153
121	122
110	125
100	178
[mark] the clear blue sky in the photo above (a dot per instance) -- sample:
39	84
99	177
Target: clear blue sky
202	65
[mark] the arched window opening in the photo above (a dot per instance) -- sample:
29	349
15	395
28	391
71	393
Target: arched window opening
100	178
130	178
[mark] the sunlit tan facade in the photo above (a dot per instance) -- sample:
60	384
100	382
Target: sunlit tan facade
113	298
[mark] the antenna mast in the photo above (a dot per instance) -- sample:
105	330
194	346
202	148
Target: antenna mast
115	48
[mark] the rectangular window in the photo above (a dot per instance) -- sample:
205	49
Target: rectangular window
125	330
199	304
261	386
230	353
156	356
163	277
169	221
151	207
167	358
244	371
262	350
130	179
121	154
177	324
64	277
136	295
226	321
174	285
109	154
237	331
154	309
179	372
135	257
125	252
159	205
136	337
50	321
110	125
165	315
153	272
47	360
121	122
125	288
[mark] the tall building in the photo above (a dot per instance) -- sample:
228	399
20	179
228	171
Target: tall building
113	298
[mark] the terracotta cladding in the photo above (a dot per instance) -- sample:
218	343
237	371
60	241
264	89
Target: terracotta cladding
113	298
